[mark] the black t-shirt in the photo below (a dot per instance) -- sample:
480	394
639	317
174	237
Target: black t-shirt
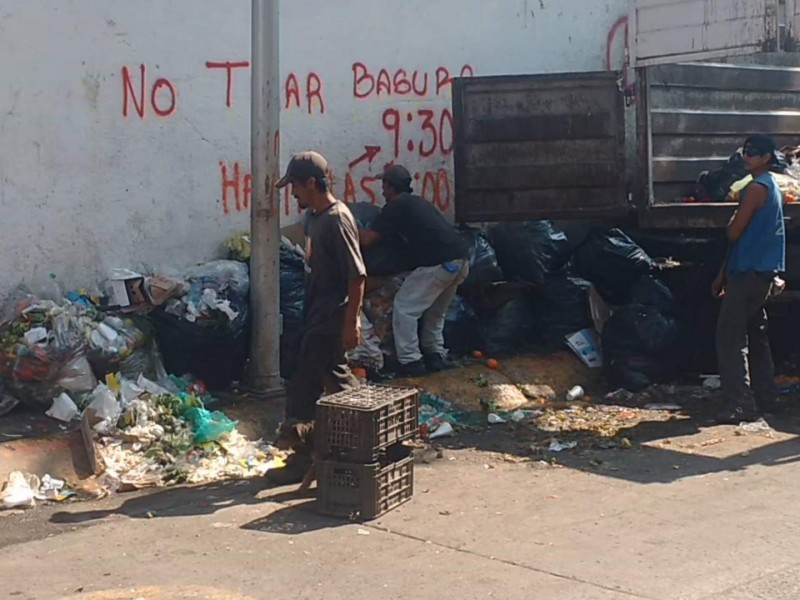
419	229
333	260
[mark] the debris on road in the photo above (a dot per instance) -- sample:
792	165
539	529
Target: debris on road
556	446
148	436
760	426
18	491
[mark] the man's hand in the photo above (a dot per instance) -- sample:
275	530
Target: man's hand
718	286
351	336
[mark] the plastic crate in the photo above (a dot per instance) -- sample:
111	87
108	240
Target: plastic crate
364	492
358	425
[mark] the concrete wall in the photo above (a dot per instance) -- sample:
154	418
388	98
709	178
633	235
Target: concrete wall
95	174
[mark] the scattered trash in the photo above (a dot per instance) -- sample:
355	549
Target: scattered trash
663	407
53	490
760	426
443	430
712	442
556	446
7	404
576	393
18	491
147	436
363	532
523	415
620	395
586	345
495	419
711	382
63	408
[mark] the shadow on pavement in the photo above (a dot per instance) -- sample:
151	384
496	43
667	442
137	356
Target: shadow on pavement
293	520
176	502
208	499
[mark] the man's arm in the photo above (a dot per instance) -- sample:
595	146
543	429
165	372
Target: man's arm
368	237
754	198
718	285
349	257
384	225
352	321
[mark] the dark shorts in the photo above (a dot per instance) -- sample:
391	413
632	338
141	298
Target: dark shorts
321	366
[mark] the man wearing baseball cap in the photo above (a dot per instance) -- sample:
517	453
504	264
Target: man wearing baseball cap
334	290
439	259
749	275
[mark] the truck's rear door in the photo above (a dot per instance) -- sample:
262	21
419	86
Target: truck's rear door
697	115
672	31
539	146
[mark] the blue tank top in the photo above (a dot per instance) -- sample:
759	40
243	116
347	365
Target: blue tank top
762	247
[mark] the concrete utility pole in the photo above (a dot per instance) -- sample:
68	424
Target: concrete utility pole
264	375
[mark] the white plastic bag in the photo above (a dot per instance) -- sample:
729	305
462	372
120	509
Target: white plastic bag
63	408
18	492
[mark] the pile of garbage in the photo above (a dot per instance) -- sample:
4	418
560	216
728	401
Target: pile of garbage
726	183
49	348
197	323
148	435
531	288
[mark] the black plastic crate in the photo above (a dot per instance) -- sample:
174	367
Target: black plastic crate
364	492
358	425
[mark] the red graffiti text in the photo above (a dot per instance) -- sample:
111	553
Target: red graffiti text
294	92
229	67
424	131
369	84
236	184
163	95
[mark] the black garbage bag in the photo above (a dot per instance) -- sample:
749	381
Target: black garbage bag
292	295
462	332
203	349
510	328
483	267
641	346
213	345
635	373
613	262
364	213
715	185
562	308
649	291
530	251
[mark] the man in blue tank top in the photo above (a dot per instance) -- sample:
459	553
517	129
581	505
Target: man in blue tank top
747	279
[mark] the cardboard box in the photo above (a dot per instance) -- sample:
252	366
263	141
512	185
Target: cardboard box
586	344
126	288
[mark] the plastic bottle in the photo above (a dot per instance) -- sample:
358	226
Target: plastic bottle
576	393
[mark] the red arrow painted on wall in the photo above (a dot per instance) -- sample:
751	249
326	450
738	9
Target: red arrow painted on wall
370	152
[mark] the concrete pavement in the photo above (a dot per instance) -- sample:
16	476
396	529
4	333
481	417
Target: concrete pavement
710	515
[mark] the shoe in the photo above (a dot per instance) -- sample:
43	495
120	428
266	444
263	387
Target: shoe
435	363
293	473
412	369
737	414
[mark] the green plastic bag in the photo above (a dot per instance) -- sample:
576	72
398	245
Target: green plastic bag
208	426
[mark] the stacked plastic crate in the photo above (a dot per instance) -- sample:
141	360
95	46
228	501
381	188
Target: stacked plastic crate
364	469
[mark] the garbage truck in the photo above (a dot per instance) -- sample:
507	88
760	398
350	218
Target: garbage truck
701	75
